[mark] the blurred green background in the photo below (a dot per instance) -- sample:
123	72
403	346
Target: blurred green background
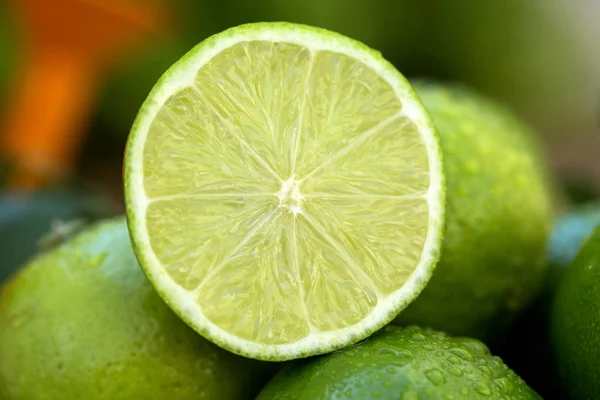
540	57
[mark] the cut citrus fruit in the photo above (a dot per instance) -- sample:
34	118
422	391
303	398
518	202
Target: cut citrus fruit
284	190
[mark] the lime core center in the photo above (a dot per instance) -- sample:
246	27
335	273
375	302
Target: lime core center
289	196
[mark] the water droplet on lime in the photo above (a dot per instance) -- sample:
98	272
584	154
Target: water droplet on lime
461	353
483	389
453	360
435	376
505	385
418	337
475	346
427	347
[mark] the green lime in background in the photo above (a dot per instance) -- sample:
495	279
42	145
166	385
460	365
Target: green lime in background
575	327
82	322
401	363
499	214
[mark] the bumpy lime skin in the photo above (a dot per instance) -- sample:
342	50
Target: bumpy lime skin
82	322
575	323
499	215
402	363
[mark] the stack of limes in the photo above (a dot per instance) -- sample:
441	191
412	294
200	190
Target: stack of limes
289	194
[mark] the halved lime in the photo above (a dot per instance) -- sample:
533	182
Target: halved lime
284	190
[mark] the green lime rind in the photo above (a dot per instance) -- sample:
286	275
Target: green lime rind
574	328
401	363
498	219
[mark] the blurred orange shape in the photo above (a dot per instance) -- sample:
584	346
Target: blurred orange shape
69	44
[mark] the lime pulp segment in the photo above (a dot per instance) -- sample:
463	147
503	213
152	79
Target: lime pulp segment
284	190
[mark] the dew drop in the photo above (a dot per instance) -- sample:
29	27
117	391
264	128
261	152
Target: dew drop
435	376
352	351
386	351
453	360
476	346
439	353
455	371
427	347
404	357
505	385
418	337
461	353
497	362
483	389
412	329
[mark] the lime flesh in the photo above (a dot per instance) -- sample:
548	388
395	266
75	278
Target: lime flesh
284	190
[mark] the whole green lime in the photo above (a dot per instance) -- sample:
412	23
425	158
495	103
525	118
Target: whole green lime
575	327
499	214
401	363
82	322
526	346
